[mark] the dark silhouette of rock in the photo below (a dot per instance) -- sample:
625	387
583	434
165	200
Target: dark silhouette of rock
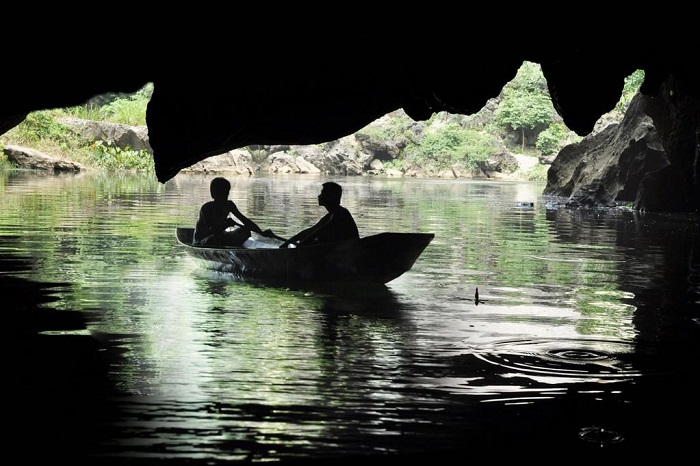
297	79
606	168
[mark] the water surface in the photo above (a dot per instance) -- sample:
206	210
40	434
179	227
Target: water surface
584	336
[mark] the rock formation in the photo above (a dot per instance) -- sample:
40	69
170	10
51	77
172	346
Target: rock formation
297	78
606	168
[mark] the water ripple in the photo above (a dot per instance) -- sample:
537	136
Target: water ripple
574	359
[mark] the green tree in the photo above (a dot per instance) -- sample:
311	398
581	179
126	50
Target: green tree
525	102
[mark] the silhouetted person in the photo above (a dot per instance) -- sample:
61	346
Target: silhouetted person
336	225
213	221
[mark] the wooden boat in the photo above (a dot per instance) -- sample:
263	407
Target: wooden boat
375	259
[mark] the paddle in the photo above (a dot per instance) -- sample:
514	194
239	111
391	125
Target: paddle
272	234
276	237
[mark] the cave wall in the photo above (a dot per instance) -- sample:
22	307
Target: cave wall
223	83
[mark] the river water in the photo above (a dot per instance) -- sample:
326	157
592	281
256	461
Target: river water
583	343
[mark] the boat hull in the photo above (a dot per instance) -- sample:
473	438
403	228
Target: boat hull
375	259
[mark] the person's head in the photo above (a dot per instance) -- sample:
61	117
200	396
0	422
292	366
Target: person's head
330	194
219	188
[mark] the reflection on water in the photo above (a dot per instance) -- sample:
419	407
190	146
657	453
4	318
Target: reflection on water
583	336
554	361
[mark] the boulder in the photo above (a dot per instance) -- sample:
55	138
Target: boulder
28	158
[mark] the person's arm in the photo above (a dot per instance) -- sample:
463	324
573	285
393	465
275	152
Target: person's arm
308	233
249	224
294	239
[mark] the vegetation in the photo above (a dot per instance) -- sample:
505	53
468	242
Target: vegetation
115	158
549	141
524	115
447	145
632	84
397	127
525	103
125	109
537	173
43	130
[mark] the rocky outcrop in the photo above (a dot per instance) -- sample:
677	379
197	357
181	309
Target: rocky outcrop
123	136
33	159
606	168
311	80
238	161
367	152
676	115
282	162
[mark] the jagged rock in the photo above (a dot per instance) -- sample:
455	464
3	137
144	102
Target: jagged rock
376	165
281	162
33	159
305	167
607	166
122	136
238	161
298	93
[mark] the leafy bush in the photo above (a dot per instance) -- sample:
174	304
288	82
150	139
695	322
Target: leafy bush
41	125
551	139
395	164
114	158
450	144
537	173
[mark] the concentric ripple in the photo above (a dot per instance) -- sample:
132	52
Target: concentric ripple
587	359
600	435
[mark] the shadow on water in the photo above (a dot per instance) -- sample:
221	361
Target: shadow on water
56	378
23	300
337	299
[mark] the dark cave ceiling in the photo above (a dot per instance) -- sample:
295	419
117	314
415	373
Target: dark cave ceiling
219	87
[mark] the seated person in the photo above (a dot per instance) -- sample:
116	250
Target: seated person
337	225
214	220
